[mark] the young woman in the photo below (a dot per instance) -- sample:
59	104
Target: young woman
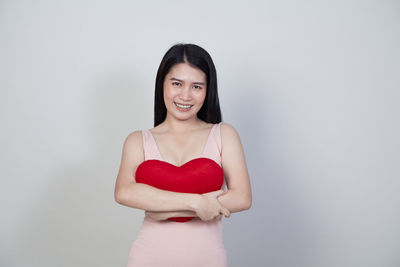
189	149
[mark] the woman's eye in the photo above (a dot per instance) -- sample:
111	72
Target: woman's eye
197	87
176	83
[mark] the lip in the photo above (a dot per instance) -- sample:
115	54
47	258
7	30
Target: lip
182	109
183	104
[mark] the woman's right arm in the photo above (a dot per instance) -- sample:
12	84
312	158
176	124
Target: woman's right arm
142	196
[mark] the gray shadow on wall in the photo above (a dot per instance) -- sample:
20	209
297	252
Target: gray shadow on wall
274	232
76	221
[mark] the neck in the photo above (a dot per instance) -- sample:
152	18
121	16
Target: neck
180	126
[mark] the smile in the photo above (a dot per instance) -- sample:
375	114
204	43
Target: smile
183	106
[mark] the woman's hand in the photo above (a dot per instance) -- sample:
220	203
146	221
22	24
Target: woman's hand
208	207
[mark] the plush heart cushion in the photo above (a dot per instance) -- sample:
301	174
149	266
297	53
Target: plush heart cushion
199	176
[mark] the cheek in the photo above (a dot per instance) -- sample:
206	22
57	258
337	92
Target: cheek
168	93
202	95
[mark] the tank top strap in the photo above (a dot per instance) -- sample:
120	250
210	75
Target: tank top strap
149	146
213	146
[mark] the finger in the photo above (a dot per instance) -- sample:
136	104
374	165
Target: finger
225	211
219	193
214	193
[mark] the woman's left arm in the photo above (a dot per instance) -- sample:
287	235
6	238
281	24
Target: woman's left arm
239	196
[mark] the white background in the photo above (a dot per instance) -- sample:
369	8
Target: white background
312	87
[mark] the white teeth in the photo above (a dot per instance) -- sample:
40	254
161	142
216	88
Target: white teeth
183	106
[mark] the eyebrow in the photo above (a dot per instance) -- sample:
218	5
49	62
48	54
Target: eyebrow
176	79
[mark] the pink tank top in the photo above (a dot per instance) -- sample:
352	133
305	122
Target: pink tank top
212	148
170	243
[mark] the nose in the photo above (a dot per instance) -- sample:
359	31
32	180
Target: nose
185	93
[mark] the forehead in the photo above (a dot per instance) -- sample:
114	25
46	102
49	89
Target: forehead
186	72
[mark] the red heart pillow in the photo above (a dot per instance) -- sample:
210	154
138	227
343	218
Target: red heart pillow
199	176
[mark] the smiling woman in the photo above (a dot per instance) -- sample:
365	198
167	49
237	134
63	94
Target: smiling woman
177	170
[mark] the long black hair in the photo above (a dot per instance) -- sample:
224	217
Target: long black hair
197	57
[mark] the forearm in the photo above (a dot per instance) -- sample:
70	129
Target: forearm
234	201
163	215
146	197
181	213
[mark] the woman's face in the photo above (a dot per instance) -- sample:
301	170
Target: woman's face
184	91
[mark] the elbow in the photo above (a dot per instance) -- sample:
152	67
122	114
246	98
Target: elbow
118	196
242	201
247	204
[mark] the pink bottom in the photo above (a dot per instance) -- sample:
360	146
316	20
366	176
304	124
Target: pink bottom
168	243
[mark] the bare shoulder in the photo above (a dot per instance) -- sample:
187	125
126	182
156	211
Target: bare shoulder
134	138
230	139
227	126
133	144
228	131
